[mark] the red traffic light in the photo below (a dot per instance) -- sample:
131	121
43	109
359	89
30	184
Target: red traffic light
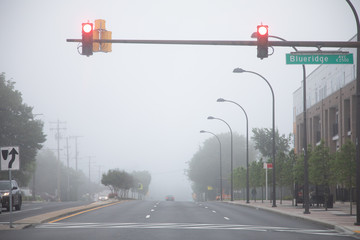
262	41
87	39
262	30
87	27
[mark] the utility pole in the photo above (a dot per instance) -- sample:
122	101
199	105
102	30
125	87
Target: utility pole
67	169
99	174
34	175
90	162
75	184
58	154
76	151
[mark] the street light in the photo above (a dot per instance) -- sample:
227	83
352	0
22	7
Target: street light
247	147
221	188
357	115
240	70
306	163
231	157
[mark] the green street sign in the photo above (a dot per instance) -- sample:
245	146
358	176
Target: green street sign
319	59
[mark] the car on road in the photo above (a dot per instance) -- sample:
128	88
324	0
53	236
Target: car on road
5	194
170	198
103	198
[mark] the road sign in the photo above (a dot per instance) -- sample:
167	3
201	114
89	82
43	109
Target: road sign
319	59
9	158
268	165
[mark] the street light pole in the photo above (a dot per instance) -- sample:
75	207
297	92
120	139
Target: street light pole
247	146
306	162
240	70
357	115
221	188
231	157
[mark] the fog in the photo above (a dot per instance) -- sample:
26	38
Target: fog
141	107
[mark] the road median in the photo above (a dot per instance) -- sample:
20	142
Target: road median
50	216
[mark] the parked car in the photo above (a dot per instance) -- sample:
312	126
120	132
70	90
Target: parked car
5	194
169	198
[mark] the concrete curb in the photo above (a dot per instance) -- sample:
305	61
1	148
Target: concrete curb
307	217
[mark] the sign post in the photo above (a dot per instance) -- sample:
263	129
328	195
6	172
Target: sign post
267	166
10	161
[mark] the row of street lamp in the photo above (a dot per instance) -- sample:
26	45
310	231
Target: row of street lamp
240	70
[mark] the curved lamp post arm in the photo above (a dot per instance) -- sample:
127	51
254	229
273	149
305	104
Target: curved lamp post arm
240	70
231	165
221	188
247	147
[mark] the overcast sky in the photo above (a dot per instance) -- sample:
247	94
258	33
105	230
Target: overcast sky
141	107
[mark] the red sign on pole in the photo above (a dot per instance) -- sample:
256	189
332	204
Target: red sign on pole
268	165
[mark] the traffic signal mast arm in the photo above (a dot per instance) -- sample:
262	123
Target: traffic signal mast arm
316	44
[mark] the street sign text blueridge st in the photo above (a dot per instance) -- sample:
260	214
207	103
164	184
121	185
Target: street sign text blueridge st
319	59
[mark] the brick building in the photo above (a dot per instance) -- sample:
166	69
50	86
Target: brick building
330	100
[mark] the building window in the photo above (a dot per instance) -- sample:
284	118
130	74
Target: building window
336	124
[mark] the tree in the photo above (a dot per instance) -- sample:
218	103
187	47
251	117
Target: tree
46	179
263	141
345	164
142	181
110	179
285	171
120	182
344	167
125	182
239	178
320	168
204	166
257	175
18	128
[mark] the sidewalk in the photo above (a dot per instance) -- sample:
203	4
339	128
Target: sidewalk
337	217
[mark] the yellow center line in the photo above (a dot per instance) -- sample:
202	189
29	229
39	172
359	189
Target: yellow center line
78	213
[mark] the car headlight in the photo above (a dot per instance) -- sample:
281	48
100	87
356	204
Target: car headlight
6	194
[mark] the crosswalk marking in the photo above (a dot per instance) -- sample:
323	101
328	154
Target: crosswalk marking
188	226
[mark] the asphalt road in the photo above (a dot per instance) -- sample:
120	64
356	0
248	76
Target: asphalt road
29	209
137	220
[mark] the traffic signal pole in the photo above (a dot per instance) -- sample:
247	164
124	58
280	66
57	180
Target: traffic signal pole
316	44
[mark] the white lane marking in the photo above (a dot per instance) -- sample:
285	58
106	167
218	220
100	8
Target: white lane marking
213	211
226	218
147	216
152	210
206	207
188	226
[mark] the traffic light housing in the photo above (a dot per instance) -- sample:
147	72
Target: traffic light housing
87	39
262	41
100	33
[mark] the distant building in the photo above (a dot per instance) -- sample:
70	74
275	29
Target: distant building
330	100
